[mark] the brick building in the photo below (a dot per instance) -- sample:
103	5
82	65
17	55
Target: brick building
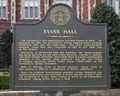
29	11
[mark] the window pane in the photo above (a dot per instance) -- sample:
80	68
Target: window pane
31	11
31	3
36	12
36	2
4	11
4	2
110	2
26	12
26	3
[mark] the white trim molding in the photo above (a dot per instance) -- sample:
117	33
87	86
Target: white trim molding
46	5
78	9
82	2
89	10
13	11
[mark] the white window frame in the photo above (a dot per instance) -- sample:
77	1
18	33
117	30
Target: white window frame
29	6
68	2
1	6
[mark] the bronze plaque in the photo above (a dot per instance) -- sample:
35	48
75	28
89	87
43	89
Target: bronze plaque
60	53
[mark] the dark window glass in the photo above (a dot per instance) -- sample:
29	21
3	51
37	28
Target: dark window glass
110	2
26	12
4	11
36	11
31	11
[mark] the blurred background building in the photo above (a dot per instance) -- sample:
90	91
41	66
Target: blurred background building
29	11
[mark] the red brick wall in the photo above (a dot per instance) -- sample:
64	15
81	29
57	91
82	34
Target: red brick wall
91	6
9	10
51	2
19	18
85	10
3	27
18	10
74	6
98	2
80	9
42	8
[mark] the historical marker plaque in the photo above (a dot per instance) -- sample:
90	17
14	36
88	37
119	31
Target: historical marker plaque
60	53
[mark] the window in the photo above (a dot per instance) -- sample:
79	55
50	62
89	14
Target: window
31	9
110	2
68	2
3	9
